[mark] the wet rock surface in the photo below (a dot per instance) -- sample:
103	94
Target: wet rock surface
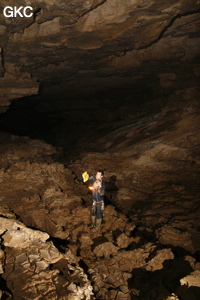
148	245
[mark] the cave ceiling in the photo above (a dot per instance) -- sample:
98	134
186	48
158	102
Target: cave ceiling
98	45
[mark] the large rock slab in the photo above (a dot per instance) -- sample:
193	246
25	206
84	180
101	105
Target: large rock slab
188	240
35	268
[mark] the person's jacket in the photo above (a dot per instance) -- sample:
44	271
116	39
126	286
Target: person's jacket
98	195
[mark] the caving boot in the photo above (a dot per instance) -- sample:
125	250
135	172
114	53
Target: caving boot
93	222
98	223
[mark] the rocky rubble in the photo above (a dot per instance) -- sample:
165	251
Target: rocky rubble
149	251
37	186
34	268
155	161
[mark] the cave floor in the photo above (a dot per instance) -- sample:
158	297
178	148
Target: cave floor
148	245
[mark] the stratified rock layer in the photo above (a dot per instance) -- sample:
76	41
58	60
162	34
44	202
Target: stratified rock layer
98	45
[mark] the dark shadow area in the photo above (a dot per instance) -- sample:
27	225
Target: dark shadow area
179	251
28	116
188	293
197	255
97	241
76	120
160	283
60	244
62	266
7	294
111	191
83	265
146	235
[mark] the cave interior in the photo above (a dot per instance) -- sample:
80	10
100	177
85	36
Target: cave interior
89	85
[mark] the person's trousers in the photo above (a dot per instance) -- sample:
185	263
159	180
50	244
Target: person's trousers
98	211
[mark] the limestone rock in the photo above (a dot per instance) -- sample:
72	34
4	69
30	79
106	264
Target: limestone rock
191	260
100	31
170	236
17	235
189	288
157	263
112	294
123	241
31	173
172	297
133	259
5	211
192	279
85	240
105	249
12	87
197	266
122	296
34	267
1	261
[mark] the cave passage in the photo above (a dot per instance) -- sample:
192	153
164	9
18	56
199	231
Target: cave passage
73	120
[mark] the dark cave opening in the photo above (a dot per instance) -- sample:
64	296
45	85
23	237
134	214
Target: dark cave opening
63	120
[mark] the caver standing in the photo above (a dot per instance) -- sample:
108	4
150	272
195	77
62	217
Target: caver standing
97	185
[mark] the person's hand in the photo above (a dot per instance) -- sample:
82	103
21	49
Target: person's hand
97	185
102	206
